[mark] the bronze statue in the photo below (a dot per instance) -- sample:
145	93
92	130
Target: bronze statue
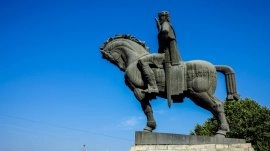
167	39
193	79
168	47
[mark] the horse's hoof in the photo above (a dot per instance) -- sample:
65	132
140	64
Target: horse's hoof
221	133
147	129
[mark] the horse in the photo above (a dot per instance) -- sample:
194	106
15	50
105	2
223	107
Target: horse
200	77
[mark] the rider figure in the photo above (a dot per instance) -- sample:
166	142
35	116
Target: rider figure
167	44
167	38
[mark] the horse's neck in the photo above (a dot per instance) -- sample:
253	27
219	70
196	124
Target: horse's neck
130	50
133	56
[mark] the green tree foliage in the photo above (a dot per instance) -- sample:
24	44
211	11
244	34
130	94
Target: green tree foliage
247	119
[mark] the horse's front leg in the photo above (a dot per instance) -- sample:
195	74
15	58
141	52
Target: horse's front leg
147	109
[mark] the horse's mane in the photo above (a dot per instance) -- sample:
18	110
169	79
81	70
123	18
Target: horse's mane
128	37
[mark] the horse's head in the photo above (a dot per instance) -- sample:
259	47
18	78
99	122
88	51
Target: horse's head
122	50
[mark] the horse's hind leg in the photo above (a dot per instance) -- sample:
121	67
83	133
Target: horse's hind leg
147	109
219	113
212	104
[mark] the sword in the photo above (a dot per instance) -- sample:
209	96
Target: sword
167	77
158	24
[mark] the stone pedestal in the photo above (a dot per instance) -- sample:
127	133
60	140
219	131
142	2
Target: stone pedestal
176	142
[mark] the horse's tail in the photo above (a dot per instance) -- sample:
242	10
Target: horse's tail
230	81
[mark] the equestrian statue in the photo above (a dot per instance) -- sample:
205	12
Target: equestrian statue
165	75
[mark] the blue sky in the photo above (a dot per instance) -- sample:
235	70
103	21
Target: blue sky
57	93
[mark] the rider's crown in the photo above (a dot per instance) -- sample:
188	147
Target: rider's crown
163	13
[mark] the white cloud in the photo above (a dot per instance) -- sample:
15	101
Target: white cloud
131	122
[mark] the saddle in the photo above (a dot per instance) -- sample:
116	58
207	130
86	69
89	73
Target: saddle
177	78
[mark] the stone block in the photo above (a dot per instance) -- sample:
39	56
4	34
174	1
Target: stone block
146	138
221	146
177	142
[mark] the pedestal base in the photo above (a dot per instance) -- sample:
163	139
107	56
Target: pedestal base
145	141
206	147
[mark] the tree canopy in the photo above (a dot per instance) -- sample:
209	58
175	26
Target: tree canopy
247	119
